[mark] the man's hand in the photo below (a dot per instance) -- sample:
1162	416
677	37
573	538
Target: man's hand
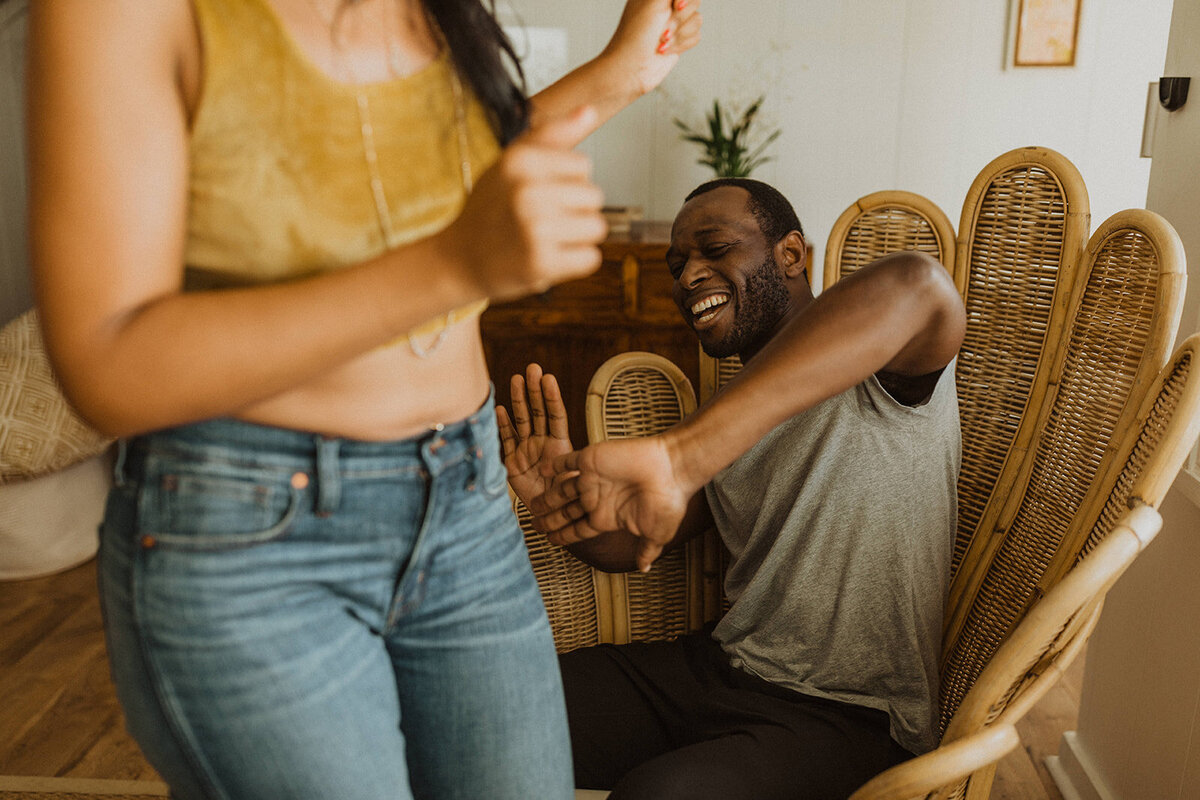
628	485
535	434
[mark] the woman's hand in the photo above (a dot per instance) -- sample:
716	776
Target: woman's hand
534	217
650	37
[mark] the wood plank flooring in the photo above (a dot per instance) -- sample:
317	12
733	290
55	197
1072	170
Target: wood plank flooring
59	714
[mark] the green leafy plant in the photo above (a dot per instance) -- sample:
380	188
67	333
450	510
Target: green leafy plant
727	144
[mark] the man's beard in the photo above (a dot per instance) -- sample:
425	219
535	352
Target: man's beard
763	302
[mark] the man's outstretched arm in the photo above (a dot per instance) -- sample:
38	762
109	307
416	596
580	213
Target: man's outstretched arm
901	315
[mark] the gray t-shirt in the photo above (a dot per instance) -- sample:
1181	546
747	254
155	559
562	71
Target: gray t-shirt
840	524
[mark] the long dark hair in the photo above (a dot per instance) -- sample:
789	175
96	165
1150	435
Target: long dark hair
481	50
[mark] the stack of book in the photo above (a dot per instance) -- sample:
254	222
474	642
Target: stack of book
621	218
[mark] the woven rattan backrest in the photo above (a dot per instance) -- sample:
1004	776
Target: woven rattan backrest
888	222
1118	333
1024	225
641	394
568	587
1150	454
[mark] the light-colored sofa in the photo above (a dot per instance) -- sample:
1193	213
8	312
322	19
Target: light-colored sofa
47	523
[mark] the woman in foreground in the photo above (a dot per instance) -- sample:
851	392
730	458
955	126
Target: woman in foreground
263	231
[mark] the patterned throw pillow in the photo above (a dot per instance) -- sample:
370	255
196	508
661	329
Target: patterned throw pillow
39	431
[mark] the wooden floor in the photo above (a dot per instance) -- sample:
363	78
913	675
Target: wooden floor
59	715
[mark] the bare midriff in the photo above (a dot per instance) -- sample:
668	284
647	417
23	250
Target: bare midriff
388	393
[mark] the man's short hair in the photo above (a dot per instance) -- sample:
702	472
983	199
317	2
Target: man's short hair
775	215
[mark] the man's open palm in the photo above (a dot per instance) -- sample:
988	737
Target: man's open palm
535	434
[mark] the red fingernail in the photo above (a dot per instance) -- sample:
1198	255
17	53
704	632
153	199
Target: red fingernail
680	5
666	36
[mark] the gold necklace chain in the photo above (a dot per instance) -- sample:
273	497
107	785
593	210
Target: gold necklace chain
371	154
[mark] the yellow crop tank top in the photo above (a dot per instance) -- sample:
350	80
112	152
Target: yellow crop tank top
279	184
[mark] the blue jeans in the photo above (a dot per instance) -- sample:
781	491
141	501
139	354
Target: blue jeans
292	616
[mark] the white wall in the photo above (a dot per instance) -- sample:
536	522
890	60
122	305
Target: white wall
880	94
1139	714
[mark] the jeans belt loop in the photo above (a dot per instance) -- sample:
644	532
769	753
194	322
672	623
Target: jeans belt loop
119	475
329	483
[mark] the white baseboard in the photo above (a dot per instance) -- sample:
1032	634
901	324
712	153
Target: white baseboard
1074	773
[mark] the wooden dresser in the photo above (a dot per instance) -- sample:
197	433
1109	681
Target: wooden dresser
575	327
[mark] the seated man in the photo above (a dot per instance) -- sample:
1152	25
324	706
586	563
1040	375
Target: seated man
828	466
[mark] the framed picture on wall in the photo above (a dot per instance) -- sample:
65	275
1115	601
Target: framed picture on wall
1045	32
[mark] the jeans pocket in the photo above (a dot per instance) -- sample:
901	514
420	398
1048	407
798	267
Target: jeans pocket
206	507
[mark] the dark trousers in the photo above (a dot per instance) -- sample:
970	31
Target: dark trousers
664	720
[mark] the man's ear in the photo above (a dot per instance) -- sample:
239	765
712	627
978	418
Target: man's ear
792	254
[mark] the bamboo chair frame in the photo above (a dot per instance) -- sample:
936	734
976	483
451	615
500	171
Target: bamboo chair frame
641	394
889	222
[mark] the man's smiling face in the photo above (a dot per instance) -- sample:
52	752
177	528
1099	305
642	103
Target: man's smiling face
727	284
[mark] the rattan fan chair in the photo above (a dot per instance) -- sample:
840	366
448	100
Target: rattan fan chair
631	395
888	222
1151	452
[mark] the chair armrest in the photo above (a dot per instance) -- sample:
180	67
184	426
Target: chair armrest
944	766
